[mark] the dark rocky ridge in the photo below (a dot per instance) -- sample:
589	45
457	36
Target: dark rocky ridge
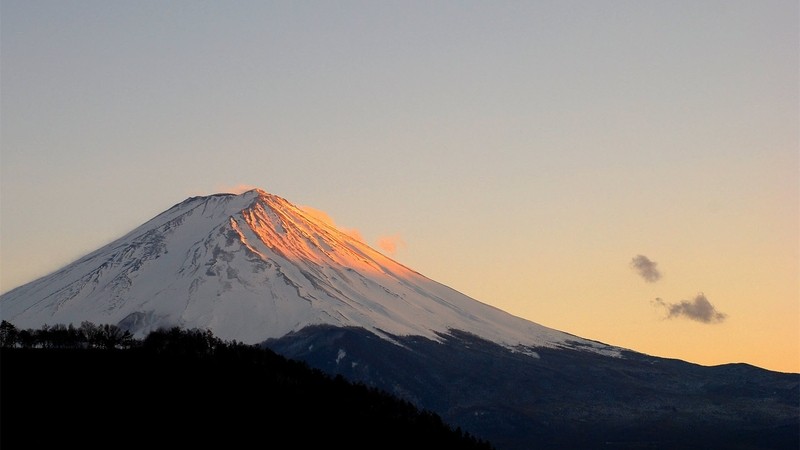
566	398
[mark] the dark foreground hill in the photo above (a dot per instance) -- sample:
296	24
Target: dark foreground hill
187	389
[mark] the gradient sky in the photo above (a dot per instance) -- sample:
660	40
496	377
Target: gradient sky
626	171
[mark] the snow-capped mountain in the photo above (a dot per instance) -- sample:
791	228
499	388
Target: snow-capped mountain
253	267
257	269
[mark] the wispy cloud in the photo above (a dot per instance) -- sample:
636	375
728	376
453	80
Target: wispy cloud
234	189
698	309
390	244
647	269
323	217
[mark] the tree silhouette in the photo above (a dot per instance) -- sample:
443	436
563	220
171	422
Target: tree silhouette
246	387
8	334
90	333
112	336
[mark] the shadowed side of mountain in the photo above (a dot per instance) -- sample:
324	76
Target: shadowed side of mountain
565	398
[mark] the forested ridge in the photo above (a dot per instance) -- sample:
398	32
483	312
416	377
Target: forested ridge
95	386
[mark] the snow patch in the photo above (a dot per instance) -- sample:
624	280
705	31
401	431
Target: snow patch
340	356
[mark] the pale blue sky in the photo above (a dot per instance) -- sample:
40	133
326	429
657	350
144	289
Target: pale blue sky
523	152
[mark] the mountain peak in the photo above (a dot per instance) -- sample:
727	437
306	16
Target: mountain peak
253	266
257	193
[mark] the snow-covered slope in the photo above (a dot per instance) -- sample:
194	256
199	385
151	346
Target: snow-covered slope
251	267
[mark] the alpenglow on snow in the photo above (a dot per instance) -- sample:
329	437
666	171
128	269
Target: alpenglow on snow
253	266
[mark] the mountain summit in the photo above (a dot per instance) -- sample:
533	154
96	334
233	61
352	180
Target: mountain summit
253	267
256	269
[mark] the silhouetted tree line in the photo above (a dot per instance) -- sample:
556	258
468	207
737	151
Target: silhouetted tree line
87	335
188	387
